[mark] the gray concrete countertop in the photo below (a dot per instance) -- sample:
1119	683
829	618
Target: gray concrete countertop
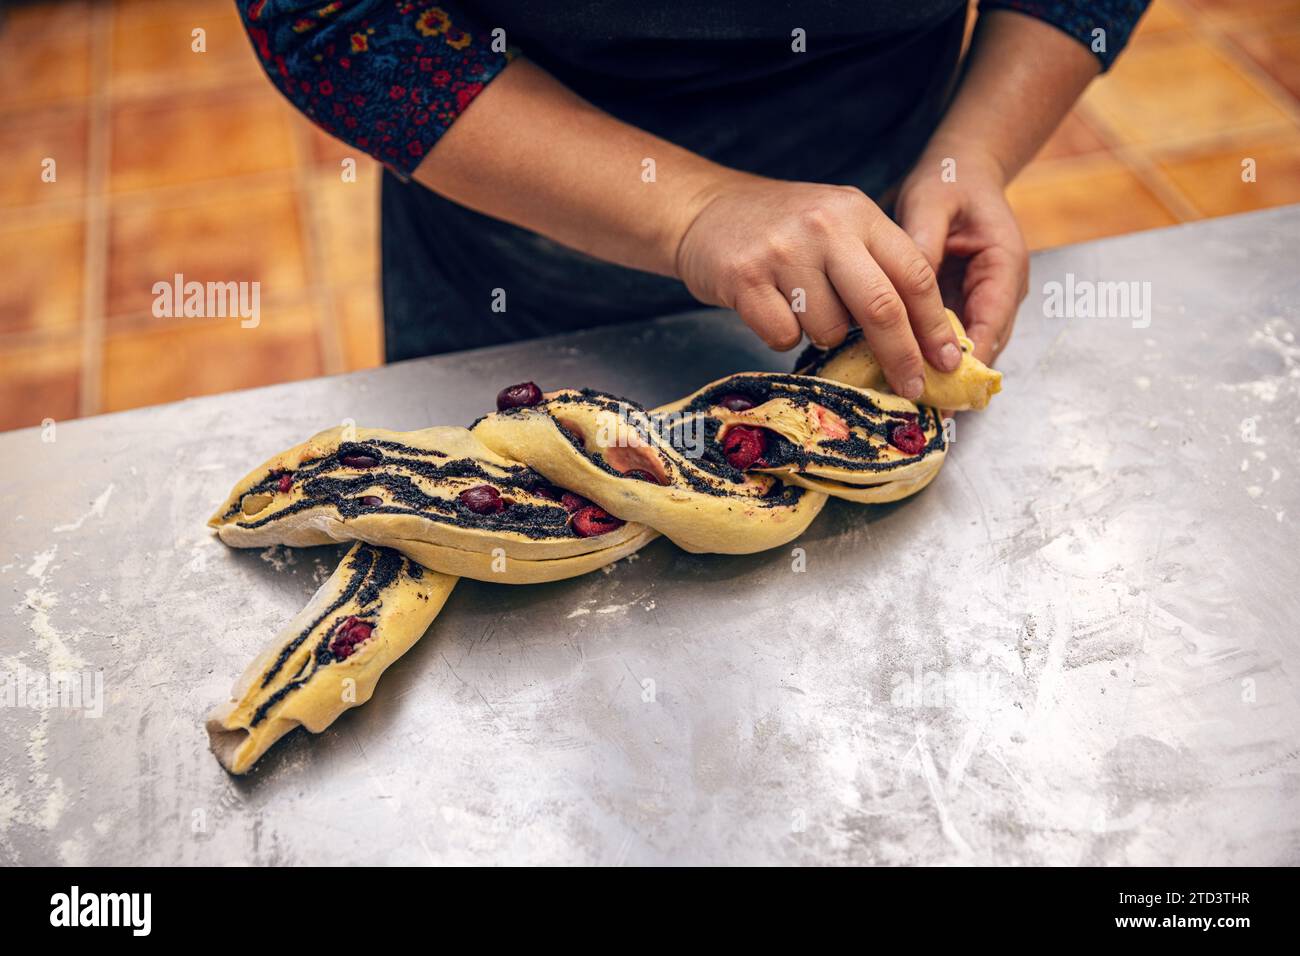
1079	645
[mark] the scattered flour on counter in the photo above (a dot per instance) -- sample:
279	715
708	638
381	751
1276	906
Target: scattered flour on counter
72	853
321	572
1254	491
41	563
59	656
37	743
9	805
1275	336
56	801
96	511
279	557
609	568
1264	389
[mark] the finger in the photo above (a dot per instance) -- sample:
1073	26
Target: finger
996	283
765	310
917	285
876	306
818	309
928	224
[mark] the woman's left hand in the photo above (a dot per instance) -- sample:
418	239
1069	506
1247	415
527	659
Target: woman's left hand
967	230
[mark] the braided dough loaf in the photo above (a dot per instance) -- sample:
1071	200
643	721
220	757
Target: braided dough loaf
552	486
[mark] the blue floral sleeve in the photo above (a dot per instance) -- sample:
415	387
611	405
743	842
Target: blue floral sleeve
386	76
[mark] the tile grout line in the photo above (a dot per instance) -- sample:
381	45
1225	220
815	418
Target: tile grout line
1231	50
95	262
328	332
1130	158
1137	158
1217	37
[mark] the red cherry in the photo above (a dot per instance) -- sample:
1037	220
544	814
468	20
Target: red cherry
523	395
482	500
744	446
593	520
374	501
908	438
736	403
286	482
359	461
573	502
351	633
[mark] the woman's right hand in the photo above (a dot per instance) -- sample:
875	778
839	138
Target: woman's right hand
755	243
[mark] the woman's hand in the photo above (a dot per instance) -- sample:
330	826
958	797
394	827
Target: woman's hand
970	236
798	257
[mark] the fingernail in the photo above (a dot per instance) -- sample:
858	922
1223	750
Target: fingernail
913	389
949	357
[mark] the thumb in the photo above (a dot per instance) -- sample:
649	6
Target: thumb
927	223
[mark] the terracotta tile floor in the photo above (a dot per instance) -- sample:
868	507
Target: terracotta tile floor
170	160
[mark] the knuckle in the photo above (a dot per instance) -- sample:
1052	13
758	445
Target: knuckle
819	220
851	195
782	249
884	309
852	203
918	278
743	272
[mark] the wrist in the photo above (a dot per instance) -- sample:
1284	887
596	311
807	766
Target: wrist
966	156
708	187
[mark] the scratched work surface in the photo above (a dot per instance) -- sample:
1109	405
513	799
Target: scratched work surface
1079	645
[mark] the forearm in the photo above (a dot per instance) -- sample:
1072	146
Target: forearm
1021	77
533	153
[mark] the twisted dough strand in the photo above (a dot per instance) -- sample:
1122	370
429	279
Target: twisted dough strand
555	486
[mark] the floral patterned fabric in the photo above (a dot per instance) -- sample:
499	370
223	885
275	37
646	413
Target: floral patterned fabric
386	76
391	76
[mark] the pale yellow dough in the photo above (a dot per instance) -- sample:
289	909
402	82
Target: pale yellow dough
737	520
969	387
399	496
401	610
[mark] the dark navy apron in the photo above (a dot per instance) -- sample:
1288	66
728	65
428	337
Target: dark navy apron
718	79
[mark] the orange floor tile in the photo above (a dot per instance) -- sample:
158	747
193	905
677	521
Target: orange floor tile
1255	173
44	150
43	262
209	356
169	159
1084	199
45	54
243	232
39	381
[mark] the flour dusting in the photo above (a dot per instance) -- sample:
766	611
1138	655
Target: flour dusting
97	509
